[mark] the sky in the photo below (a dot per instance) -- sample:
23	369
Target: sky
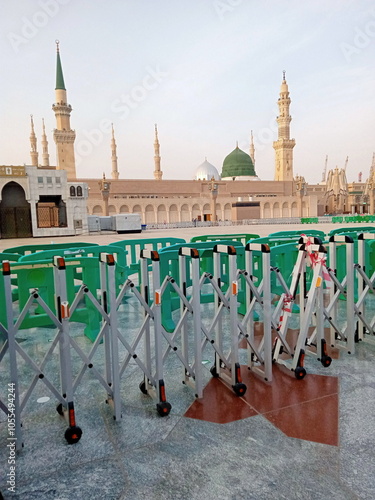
207	72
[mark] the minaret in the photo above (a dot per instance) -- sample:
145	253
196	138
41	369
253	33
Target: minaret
33	151
252	148
63	135
158	174
114	172
284	145
45	155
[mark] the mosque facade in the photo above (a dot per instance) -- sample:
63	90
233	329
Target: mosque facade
53	201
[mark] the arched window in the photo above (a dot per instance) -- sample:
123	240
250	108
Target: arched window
72	191
79	191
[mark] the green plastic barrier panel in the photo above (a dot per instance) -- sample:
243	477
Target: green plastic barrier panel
169	265
273	241
93	251
352	231
337	219
12	257
307	232
309	220
27	249
242	238
39	274
133	249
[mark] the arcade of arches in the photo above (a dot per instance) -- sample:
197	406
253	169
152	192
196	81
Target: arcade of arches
185	212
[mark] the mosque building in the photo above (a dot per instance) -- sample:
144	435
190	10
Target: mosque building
50	200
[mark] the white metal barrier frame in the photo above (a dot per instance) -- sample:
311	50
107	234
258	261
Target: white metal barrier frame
259	355
341	337
311	253
190	353
65	394
153	379
107	335
226	365
365	326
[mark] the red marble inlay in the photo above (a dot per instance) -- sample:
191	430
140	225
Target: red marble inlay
304	409
219	405
285	389
315	420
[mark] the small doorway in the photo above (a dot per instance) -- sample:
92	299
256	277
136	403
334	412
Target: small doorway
15	213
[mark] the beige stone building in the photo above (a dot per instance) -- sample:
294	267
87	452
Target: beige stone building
235	194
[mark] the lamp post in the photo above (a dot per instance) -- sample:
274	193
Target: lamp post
214	188
104	186
301	189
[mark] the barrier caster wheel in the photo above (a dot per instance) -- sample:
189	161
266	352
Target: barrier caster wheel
213	371
163	408
142	387
73	434
59	409
326	361
239	389
299	373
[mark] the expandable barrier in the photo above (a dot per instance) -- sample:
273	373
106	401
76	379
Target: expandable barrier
311	254
341	335
227	365
65	394
146	343
258	293
364	306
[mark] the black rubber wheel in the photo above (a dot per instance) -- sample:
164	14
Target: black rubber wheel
239	389
213	371
142	387
300	373
326	361
73	434
163	408
59	409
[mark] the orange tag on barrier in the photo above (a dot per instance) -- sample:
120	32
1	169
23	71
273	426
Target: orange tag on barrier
157	297
318	282
234	287
65	311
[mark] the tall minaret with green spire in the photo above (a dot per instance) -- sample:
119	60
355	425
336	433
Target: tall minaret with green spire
63	135
284	145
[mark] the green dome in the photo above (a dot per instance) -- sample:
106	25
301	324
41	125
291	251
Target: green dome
238	164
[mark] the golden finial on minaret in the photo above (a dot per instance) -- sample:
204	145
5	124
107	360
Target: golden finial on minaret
284	75
57	45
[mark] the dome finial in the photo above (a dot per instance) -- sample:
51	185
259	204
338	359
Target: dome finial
57	45
237	144
284	75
